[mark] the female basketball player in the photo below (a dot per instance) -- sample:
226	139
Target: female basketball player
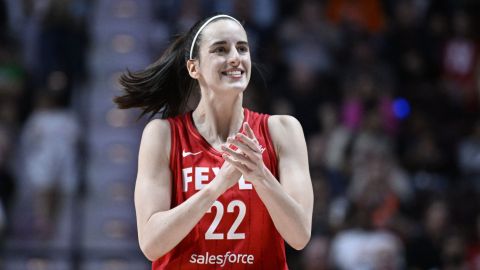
221	186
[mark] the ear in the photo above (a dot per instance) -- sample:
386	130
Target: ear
192	67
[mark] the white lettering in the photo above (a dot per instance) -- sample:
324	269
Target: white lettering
222	259
187	178
225	258
201	259
211	259
244	261
243	185
232	258
200	177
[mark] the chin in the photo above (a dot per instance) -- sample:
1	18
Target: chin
238	88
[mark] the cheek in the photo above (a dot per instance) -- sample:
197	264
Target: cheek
210	68
248	63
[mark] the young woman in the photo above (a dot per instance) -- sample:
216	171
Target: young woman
220	186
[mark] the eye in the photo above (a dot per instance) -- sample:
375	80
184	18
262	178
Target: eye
219	50
243	49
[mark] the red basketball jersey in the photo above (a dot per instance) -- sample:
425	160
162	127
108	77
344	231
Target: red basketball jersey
237	232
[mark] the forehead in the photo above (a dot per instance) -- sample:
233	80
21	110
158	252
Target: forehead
223	30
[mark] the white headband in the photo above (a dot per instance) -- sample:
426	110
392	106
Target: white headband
203	26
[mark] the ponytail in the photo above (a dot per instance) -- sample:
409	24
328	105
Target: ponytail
165	86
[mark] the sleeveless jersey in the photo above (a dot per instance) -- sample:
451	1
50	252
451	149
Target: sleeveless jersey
237	232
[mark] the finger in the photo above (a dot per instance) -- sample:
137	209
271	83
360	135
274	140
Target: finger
238	165
239	156
249	131
243	147
249	142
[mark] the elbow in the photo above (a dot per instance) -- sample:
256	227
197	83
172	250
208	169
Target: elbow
150	256
301	241
149	250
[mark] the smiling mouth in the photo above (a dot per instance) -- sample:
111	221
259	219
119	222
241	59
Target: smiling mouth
233	73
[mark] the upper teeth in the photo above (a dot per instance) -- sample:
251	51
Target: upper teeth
237	72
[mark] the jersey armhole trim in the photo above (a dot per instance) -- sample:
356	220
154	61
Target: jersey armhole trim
173	144
173	157
270	146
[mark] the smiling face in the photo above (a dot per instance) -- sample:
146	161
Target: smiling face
224	57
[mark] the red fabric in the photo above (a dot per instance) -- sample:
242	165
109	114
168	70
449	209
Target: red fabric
262	246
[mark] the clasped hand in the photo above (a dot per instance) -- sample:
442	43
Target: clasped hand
247	157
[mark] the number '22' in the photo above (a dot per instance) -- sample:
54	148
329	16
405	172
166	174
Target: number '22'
231	234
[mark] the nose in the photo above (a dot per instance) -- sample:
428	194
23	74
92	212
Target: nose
234	57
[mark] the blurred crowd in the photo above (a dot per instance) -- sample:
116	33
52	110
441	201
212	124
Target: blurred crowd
42	62
387	93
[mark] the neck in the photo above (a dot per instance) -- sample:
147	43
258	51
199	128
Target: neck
218	118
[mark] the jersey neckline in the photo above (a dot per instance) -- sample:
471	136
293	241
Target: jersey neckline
194	131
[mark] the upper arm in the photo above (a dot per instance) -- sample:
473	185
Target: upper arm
153	185
289	142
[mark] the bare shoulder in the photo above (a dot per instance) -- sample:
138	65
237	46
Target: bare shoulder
157	127
156	137
285	129
283	122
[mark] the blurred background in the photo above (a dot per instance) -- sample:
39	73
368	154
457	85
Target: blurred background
387	92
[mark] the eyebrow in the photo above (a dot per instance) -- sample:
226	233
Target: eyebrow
223	42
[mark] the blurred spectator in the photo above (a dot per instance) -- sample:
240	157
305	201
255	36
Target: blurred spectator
49	146
454	252
361	247
306	41
322	198
469	157
62	44
423	157
302	92
460	63
328	149
316	254
308	38
407	43
363	96
436	35
424	249
377	182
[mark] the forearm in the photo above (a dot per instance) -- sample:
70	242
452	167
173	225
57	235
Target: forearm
164	230
289	217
